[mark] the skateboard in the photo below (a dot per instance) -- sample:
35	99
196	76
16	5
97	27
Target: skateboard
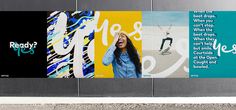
166	51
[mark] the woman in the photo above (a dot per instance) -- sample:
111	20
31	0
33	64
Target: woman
124	57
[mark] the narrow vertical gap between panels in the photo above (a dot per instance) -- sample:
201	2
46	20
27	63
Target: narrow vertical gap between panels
153	87
78	80
76	5
78	86
151	5
152	78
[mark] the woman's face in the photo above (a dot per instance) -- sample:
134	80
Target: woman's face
122	42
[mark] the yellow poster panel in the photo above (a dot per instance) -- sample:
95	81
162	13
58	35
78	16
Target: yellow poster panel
110	22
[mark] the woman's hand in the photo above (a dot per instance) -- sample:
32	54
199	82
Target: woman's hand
116	38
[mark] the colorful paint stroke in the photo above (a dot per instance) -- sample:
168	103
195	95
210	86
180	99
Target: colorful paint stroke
70	44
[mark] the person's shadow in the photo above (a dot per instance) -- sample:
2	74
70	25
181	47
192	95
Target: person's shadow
166	51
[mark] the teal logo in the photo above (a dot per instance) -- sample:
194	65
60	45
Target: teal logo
23	48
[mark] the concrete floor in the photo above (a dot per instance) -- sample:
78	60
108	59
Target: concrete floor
120	107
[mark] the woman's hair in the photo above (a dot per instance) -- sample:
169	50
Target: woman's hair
132	52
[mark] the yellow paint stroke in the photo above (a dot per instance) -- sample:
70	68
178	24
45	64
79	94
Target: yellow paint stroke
51	50
86	41
51	19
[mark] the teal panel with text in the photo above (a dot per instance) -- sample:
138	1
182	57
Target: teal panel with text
213	44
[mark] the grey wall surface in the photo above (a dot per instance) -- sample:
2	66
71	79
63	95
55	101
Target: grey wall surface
117	87
114	5
37	5
189	5
194	87
38	87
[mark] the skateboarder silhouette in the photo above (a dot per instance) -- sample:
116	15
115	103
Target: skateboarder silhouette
166	38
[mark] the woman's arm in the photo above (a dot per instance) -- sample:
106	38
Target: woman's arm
109	56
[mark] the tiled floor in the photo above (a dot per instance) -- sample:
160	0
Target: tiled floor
121	107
